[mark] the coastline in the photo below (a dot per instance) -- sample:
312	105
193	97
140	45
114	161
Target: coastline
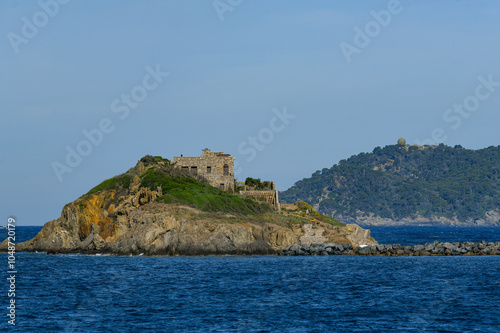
433	249
408	235
419	221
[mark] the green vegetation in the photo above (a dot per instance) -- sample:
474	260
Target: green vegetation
82	206
290	220
180	188
398	181
148	159
113	183
257	184
306	209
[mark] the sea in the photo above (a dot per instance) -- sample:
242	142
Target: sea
101	293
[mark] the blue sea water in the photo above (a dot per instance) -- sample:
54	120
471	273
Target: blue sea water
79	293
419	235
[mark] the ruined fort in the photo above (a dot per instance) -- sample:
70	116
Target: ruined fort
218	169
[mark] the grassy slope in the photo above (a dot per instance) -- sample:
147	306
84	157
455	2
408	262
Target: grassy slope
188	191
180	188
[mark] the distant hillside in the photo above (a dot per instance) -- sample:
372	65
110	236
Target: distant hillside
410	183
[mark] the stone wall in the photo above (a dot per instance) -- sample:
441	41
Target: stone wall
312	236
270	197
359	235
216	167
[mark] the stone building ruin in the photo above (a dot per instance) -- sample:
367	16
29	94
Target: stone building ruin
216	167
268	195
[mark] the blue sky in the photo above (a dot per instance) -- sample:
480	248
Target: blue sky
230	73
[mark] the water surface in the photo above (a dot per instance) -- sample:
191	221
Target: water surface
80	293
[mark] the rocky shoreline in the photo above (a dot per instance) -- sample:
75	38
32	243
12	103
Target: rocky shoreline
491	219
396	250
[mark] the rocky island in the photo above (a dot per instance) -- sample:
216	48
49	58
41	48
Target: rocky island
159	207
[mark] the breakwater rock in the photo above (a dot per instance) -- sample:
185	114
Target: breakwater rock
428	249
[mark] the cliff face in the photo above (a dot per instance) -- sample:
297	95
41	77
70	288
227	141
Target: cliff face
87	226
161	229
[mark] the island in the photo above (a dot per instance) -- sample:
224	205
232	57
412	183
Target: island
191	206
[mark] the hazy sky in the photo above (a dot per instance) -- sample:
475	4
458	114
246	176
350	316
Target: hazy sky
287	87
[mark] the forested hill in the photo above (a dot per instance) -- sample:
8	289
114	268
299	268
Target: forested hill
408	182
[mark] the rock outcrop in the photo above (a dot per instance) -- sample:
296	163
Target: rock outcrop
162	229
92	225
154	229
